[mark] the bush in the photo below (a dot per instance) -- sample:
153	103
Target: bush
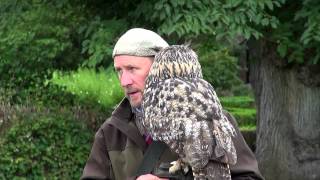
242	90
40	145
40	37
220	69
34	41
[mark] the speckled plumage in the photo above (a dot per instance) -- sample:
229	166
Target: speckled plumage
181	109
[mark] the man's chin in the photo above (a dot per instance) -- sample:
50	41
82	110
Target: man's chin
134	103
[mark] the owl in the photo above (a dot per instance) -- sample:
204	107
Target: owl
182	110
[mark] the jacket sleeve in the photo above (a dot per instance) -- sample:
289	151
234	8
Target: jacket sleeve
246	167
98	165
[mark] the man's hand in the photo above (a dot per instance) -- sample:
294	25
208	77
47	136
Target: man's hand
150	177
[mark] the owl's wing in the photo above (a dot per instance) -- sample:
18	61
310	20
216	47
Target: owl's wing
188	112
175	113
223	129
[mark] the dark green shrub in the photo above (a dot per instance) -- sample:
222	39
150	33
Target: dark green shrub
242	90
40	37
36	38
47	145
220	69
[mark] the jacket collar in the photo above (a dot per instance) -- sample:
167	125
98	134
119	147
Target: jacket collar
122	119
123	110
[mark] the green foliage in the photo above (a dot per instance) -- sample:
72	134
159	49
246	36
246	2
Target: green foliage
44	145
99	39
40	37
223	19
242	90
308	12
298	35
294	27
35	38
219	68
100	88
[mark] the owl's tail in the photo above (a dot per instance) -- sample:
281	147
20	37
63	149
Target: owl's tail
213	171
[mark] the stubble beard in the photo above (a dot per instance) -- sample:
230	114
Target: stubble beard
134	102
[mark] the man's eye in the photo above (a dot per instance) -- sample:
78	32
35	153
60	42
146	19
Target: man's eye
131	68
118	71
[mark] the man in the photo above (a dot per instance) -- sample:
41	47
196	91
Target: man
119	146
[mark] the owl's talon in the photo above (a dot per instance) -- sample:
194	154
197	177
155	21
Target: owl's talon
199	174
176	166
185	169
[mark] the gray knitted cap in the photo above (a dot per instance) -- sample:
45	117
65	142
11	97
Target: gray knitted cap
139	42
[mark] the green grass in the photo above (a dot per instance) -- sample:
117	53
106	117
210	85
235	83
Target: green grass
242	108
244	111
248	128
93	87
237	101
244	116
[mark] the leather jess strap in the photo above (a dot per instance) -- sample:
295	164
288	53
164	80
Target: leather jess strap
151	157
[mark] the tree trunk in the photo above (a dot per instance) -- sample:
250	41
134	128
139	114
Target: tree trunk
288	126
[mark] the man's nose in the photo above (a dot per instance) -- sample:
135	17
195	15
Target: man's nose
125	79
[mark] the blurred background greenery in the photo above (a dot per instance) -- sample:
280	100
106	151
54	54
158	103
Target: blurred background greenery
57	84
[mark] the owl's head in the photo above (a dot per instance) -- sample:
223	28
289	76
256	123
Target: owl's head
176	61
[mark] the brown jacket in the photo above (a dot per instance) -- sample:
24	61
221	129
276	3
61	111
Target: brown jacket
118	150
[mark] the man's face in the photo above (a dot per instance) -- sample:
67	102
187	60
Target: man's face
132	72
